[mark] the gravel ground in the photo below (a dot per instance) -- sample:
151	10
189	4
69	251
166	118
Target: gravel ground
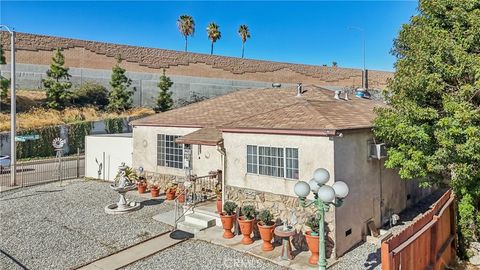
367	255
61	227
196	255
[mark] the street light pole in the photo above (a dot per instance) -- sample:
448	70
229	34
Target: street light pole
362	31
13	110
324	195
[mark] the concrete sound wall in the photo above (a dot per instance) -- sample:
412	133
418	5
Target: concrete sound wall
29	76
91	55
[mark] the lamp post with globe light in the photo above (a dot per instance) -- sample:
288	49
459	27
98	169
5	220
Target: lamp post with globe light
325	196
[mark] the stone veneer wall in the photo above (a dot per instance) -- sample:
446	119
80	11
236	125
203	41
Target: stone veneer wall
281	207
37	49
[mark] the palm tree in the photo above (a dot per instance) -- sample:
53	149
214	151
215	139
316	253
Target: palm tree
186	26
213	34
244	34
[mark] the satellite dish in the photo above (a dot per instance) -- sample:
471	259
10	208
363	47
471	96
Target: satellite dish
58	143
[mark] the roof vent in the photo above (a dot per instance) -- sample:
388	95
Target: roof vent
299	90
337	94
276	85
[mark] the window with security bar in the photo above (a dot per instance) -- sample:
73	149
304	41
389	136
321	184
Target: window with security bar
273	161
169	153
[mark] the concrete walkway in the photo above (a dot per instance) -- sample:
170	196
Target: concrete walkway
132	254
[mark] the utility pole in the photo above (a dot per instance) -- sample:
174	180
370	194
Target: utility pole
362	31
13	110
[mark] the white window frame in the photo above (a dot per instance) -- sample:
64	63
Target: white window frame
257	161
165	162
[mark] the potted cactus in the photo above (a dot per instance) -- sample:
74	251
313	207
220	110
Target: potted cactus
180	194
312	238
218	194
154	190
227	217
141	185
266	227
246	223
170	191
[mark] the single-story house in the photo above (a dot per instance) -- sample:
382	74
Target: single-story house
265	140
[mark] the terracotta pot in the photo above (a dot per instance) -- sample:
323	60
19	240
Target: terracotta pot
181	198
266	233
155	192
312	242
227	222
246	226
170	195
142	188
219	206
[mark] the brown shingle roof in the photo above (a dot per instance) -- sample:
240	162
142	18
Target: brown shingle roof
203	136
271	111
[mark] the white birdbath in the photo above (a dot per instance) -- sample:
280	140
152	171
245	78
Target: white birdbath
122	185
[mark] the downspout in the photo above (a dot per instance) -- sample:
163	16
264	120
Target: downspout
221	150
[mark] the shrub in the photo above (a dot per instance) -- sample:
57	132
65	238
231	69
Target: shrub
230	208
313	222
249	212
91	93
265	217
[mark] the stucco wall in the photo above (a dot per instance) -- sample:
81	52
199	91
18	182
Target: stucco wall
313	152
375	192
110	151
145	152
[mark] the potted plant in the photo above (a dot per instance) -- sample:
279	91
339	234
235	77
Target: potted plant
246	223
154	190
170	191
266	227
227	218
312	238
180	193
218	193
141	185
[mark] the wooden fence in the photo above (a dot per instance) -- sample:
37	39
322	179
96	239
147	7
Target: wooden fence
428	243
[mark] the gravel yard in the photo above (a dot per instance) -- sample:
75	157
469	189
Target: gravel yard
196	254
61	227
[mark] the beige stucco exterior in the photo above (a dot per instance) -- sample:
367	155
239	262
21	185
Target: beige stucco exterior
375	192
313	152
205	159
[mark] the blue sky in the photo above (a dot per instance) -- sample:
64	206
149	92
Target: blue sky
299	32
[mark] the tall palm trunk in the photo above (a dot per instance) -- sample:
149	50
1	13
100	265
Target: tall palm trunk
186	43
243	47
211	49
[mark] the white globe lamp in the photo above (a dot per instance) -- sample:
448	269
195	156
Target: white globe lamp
301	189
321	176
341	189
313	185
326	194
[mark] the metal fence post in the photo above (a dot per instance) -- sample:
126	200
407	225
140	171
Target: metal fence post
78	162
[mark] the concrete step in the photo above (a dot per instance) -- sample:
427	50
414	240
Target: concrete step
168	217
199	219
190	227
218	221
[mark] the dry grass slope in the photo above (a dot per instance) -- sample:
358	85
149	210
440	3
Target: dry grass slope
37	117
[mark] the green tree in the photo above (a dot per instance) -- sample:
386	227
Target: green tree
120	97
91	93
57	83
4	82
432	127
244	34
164	99
214	34
186	26
334	64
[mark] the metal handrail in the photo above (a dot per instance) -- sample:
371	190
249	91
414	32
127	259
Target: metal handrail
194	201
